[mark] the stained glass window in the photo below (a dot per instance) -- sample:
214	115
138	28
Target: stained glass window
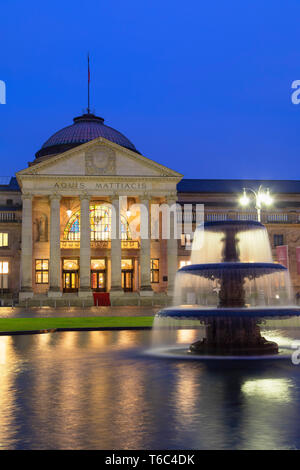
70	264
100	219
72	230
100	222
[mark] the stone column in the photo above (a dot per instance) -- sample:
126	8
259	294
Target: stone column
116	250
26	253
172	247
85	247
145	253
54	261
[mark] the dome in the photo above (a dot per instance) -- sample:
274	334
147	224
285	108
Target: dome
85	128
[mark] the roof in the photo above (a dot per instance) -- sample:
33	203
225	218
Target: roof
85	128
8	183
236	186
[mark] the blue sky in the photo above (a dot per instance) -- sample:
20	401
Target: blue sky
202	87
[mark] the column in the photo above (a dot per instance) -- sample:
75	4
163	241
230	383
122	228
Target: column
54	261
116	250
26	253
85	247
172	247
145	250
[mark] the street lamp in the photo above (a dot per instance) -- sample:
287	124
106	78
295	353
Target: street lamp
261	197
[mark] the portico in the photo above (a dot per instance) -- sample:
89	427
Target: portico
86	225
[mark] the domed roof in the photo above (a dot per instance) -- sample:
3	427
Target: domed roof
85	128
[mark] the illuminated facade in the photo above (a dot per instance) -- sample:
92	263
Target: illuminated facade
58	239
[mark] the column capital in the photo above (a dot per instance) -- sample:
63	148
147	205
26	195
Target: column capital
27	196
145	198
54	197
115	198
84	196
171	198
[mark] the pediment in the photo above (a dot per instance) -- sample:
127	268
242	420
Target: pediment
99	157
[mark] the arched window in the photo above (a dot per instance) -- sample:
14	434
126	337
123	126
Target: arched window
100	219
72	229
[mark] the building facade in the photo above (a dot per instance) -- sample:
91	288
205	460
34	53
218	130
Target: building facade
76	224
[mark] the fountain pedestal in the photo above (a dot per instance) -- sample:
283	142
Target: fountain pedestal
233	336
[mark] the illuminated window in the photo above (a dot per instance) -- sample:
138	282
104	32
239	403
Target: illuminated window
154	270
41	271
126	264
70	265
185	239
3	239
100	220
98	264
184	263
4	274
72	230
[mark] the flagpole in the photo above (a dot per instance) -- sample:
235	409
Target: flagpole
88	108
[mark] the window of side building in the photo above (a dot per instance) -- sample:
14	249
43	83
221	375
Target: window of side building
185	240
278	240
3	239
4	270
154	270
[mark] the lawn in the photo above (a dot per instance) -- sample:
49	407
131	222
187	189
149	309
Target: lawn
36	324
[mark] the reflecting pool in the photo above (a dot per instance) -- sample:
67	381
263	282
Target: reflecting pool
99	390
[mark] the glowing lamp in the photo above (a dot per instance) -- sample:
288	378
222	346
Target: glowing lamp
244	200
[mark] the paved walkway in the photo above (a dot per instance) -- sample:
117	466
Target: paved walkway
39	312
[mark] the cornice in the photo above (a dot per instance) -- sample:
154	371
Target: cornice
102	179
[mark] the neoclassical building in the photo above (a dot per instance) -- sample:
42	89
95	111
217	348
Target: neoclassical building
71	245
71	225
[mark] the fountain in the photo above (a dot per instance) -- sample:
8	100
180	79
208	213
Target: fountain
230	288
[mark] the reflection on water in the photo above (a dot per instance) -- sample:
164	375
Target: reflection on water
97	390
274	389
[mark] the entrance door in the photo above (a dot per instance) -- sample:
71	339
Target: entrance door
98	275
70	281
70	275
127	280
98	281
127	275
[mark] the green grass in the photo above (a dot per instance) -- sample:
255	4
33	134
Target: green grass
30	324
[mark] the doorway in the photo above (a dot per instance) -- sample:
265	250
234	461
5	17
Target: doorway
98	275
70	275
127	275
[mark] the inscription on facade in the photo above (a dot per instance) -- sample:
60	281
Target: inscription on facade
102	186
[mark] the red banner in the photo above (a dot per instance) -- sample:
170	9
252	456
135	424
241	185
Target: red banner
282	255
298	258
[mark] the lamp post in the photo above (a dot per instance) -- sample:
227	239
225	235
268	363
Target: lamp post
261	197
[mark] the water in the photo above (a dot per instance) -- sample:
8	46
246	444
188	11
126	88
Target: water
99	390
253	243
231	262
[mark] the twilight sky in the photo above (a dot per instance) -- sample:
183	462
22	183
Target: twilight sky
203	87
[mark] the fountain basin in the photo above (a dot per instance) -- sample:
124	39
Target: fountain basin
197	313
219	270
236	225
